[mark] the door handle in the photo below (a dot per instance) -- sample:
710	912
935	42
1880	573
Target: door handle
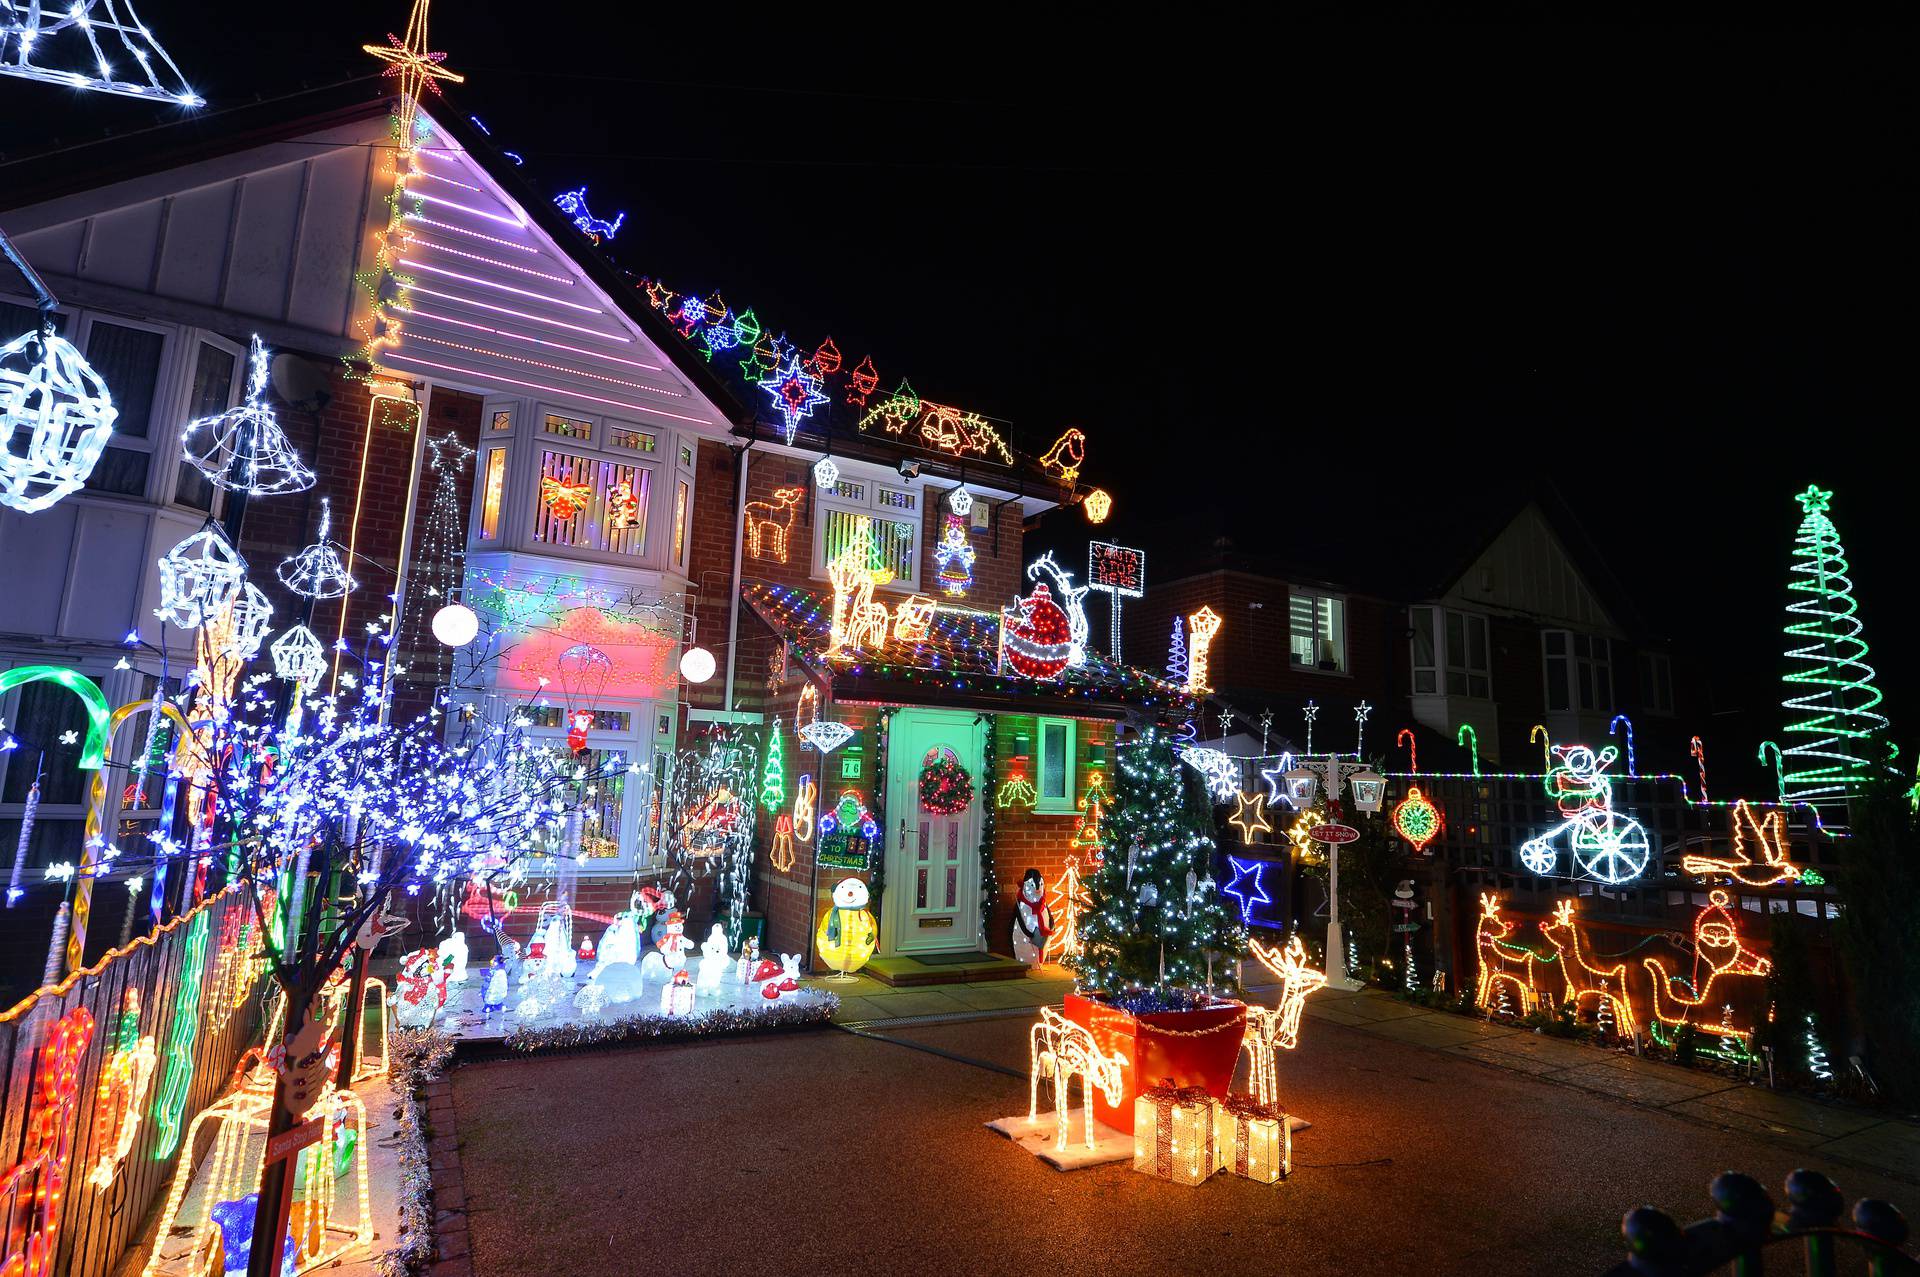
903	833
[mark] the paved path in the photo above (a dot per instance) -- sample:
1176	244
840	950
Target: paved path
823	1152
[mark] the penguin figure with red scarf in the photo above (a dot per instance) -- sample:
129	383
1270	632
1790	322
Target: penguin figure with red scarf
1032	920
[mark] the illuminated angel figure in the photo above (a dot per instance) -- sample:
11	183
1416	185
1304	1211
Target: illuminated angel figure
1603	844
320	570
243	449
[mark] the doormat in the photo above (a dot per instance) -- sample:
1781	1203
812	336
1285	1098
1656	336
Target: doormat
953	959
1036	1136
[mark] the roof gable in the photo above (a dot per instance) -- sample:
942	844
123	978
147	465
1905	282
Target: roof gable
1527	569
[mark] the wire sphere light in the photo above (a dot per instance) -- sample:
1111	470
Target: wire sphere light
56	417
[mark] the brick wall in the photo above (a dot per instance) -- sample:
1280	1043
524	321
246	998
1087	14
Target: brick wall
427	661
1025	839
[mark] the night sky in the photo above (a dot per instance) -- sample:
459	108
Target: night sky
1346	281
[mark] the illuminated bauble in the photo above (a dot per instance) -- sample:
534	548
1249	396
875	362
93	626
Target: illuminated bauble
55	418
847	934
696	665
199	577
1416	819
299	656
826	473
456	624
1039	637
1098	506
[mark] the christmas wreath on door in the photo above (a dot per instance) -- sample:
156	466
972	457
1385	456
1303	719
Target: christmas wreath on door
945	786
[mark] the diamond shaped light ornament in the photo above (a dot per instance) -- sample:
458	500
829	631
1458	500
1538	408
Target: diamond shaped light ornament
299	656
825	735
198	577
55	418
243	449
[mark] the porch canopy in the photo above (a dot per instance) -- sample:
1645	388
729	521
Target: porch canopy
957	665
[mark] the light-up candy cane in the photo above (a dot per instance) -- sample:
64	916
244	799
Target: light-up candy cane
1699	753
1541	734
1471	739
1413	749
1613	728
1779	777
91	842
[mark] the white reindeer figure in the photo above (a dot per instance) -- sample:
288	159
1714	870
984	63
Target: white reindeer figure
1062	1048
1277	1029
1070	599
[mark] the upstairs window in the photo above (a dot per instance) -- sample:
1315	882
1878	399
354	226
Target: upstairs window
1317	638
1450	653
893	513
128	359
1579	671
1656	682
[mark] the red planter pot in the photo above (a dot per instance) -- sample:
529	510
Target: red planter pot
1159	1049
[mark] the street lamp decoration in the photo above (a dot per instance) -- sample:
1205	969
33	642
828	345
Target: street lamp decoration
56	416
1201	627
244	449
199	577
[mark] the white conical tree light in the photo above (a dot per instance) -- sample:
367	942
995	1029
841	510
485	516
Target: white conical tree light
243	449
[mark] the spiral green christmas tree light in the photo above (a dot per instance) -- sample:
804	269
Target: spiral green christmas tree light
1831	723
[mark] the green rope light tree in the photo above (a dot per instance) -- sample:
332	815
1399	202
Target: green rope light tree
1831	723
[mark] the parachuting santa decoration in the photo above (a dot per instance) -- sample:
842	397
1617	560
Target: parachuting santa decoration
1032	920
1036	638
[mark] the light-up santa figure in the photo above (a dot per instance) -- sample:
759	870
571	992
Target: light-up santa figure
1032	920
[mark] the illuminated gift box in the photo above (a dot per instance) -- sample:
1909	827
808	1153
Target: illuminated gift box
1173	1134
676	998
1253	1138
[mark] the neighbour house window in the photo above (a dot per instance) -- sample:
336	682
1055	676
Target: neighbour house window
1450	653
1656	682
1318	632
493	485
128	359
1579	671
1054	788
214	387
893	515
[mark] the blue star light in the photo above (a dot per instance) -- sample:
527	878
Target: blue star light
795	392
1248	897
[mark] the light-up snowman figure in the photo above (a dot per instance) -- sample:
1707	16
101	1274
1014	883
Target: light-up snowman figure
847	934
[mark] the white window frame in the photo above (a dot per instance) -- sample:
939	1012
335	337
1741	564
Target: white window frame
1318	597
869	504
521	490
1595	666
1651	664
1055	804
1444	665
637	743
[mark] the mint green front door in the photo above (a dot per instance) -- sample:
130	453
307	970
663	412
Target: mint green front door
932	899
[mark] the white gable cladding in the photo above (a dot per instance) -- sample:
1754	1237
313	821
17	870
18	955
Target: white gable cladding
1527	571
496	305
271	234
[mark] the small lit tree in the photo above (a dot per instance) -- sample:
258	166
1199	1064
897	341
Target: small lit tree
1155	917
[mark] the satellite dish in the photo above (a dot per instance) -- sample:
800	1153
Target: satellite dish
301	383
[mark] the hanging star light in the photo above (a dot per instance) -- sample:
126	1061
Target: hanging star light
243	449
36	37
1249	816
55	415
795	392
199	577
299	656
318	572
248	624
410	62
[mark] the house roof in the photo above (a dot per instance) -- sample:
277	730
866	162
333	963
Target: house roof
957	665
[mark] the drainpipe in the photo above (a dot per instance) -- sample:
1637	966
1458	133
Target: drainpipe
740	460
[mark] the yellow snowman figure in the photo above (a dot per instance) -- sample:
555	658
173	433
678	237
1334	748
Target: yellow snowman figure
847	934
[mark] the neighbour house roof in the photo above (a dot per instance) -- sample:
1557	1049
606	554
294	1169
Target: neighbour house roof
958	664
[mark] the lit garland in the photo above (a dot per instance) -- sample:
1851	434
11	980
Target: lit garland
36	1185
1831	716
818	1008
55	409
243	449
1416	819
75	33
418	1059
1247	893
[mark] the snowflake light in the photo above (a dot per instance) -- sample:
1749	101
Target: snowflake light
962	502
795	392
243	449
37	39
318	572
299	656
55	414
826	474
825	735
198	577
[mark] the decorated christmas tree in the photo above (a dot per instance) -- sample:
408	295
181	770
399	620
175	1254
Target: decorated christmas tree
1832	732
1154	913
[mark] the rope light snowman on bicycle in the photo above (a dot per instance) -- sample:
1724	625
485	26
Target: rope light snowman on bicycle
1601	843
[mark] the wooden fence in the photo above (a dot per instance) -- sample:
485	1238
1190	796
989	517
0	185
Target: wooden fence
86	1147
